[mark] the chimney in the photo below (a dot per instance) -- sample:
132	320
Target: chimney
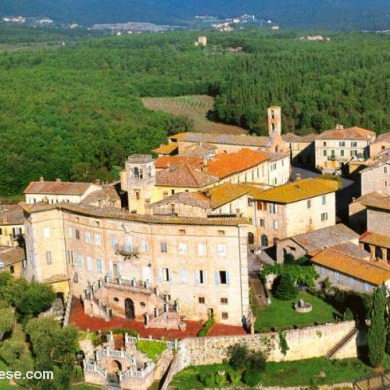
58	180
41	179
297	176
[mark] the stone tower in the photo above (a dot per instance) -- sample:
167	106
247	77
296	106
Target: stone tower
138	179
274	120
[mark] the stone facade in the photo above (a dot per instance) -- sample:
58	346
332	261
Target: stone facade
376	179
278	221
303	343
199	263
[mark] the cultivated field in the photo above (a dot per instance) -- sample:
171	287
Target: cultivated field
194	107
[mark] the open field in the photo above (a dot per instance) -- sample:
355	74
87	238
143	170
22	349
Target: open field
194	107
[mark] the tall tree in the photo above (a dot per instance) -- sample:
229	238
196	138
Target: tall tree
376	338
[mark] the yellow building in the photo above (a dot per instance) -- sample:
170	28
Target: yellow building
295	208
11	224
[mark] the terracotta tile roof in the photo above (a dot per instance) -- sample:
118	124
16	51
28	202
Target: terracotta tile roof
377	203
166	149
291	137
221	139
349	133
226	193
368	197
385	137
12	255
57	188
298	190
254	189
184	175
375	239
107	193
195	199
199	150
11	215
371	272
119	214
226	164
325	237
165	162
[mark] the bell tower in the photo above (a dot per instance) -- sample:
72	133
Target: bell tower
138	179
274	120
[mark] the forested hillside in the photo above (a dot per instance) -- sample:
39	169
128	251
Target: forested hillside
328	14
75	112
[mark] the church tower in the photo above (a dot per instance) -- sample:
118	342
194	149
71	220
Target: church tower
138	179
274	120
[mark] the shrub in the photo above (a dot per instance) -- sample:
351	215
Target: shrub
238	356
251	377
234	377
206	327
220	380
285	289
289	259
152	349
209	380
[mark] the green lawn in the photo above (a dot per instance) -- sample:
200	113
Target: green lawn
297	373
153	349
281	314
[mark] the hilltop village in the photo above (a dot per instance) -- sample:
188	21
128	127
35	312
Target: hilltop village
183	234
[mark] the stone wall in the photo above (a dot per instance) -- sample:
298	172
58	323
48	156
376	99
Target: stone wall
306	343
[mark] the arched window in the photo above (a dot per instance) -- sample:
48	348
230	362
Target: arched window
251	238
264	240
136	173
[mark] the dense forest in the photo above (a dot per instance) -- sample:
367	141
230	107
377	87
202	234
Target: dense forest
327	14
75	111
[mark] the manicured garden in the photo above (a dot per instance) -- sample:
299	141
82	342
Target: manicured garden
281	314
296	373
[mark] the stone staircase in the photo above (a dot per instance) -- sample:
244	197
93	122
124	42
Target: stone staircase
341	343
164	315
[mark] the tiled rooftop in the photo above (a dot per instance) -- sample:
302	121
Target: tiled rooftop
166	149
349	133
195	199
11	214
385	137
226	164
375	239
184	175
226	193
326	237
57	187
377	203
298	190
227	139
372	272
114	213
11	255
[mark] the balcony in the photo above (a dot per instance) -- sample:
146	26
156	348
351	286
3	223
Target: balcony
127	252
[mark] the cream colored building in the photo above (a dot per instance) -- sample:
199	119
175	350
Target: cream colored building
58	191
11	224
337	147
381	143
376	177
199	265
295	208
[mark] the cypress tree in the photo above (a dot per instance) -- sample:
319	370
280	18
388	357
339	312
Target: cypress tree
376	338
286	288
